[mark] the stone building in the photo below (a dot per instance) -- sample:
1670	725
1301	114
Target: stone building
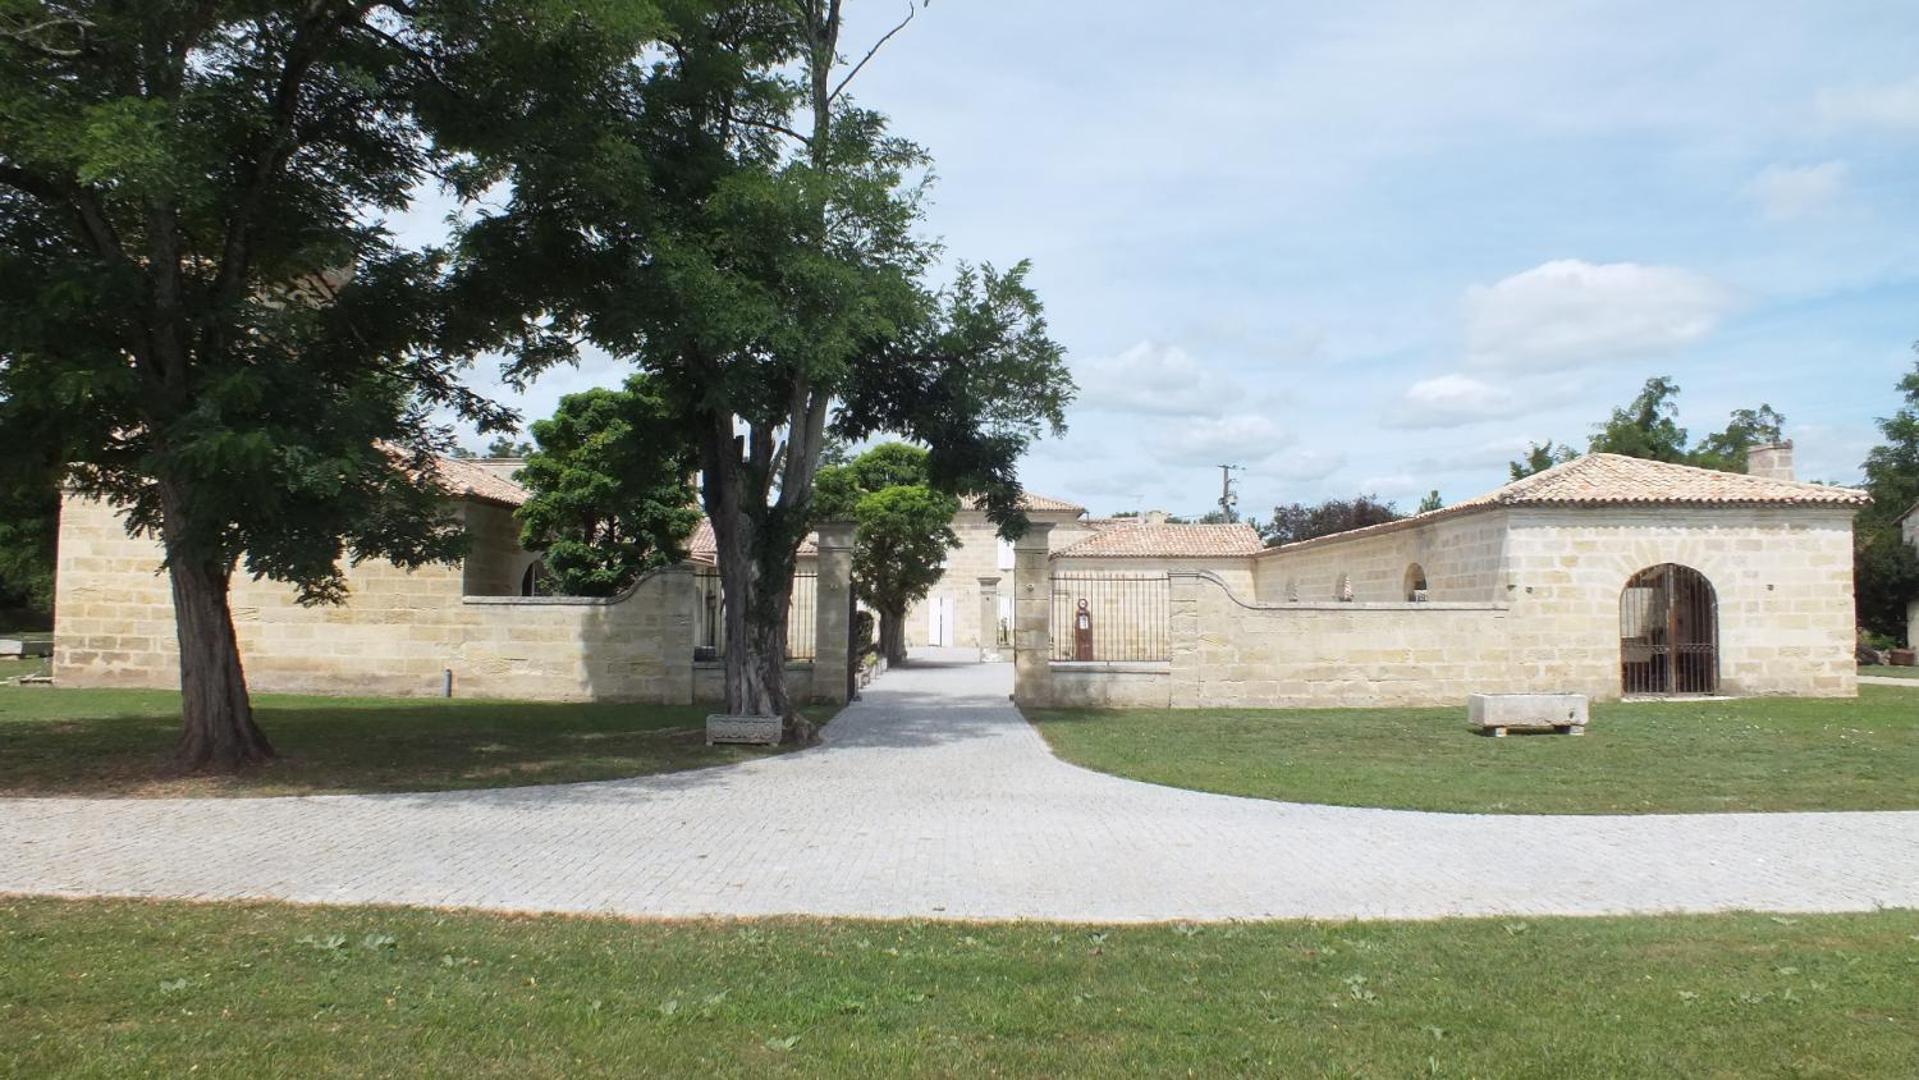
1609	576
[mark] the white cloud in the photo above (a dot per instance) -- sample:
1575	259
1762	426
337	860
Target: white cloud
1785	192
1242	438
1452	400
1303	466
1568	311
1891	105
1164	380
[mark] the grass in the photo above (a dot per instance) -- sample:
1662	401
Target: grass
117	743
1637	757
120	987
1889	672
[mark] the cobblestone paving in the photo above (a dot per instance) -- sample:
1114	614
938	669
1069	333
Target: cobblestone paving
934	798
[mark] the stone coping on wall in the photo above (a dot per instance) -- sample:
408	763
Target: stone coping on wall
720	665
542	601
1111	667
1340	605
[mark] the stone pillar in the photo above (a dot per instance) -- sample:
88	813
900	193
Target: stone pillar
989	619
1183	683
833	614
1032	614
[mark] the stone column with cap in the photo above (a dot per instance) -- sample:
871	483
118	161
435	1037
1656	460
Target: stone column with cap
833	614
1032	614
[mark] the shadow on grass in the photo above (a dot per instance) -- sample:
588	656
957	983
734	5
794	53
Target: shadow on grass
119	743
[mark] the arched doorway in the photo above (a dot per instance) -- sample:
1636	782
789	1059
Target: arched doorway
1669	632
1415	583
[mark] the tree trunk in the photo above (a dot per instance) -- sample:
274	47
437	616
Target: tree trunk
893	636
217	731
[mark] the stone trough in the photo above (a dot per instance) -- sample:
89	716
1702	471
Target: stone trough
1497	714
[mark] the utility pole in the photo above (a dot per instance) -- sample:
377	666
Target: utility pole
1228	498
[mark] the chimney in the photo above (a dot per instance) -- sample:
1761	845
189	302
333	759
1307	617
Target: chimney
1772	461
1155	517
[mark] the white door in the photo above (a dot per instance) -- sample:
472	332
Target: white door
939	620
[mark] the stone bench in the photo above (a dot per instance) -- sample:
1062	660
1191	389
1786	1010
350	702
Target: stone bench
16	647
1499	713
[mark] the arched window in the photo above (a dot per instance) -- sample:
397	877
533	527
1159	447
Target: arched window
1669	632
1415	584
533	582
1344	590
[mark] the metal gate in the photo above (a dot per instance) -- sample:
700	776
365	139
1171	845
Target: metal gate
1669	632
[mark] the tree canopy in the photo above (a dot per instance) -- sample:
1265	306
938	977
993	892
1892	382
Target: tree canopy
721	214
1648	427
904	530
202	312
1885	568
611	489
1295	522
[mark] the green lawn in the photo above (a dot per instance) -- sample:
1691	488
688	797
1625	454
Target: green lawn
1889	672
117	742
1637	757
131	988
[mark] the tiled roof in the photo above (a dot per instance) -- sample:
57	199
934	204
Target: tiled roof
1117	539
701	547
1617	480
470	480
1029	501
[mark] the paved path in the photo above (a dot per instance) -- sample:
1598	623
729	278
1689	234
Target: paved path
1888	680
934	798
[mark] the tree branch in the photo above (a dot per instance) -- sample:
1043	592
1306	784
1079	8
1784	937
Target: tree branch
766	125
27	35
911	10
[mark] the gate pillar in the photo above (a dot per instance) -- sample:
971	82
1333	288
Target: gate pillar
1032	615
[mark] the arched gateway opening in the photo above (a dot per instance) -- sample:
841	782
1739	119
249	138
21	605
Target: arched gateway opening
1669	632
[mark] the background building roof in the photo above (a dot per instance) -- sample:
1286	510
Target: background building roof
1123	538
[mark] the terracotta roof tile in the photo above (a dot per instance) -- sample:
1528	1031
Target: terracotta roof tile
1617	480
1028	501
1119	539
469	480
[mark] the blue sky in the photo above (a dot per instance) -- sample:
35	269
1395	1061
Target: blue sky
1380	246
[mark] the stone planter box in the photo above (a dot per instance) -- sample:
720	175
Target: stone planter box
23	649
756	730
1902	657
1496	714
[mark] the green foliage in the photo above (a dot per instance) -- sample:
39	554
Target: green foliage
1540	457
612	495
1431	502
29	532
1295	522
1885	568
197	308
1648	427
905	527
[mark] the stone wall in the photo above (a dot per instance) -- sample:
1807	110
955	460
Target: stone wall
399	633
1461	557
1782	578
495	564
1547	617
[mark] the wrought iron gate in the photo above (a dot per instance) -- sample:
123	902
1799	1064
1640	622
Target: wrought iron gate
1669	632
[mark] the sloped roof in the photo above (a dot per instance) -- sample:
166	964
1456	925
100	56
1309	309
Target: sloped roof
1596	480
1616	480
1029	501
1117	539
468	479
702	548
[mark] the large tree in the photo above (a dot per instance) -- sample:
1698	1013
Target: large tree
734	225
1648	427
1295	522
1885	567
905	529
611	489
201	311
